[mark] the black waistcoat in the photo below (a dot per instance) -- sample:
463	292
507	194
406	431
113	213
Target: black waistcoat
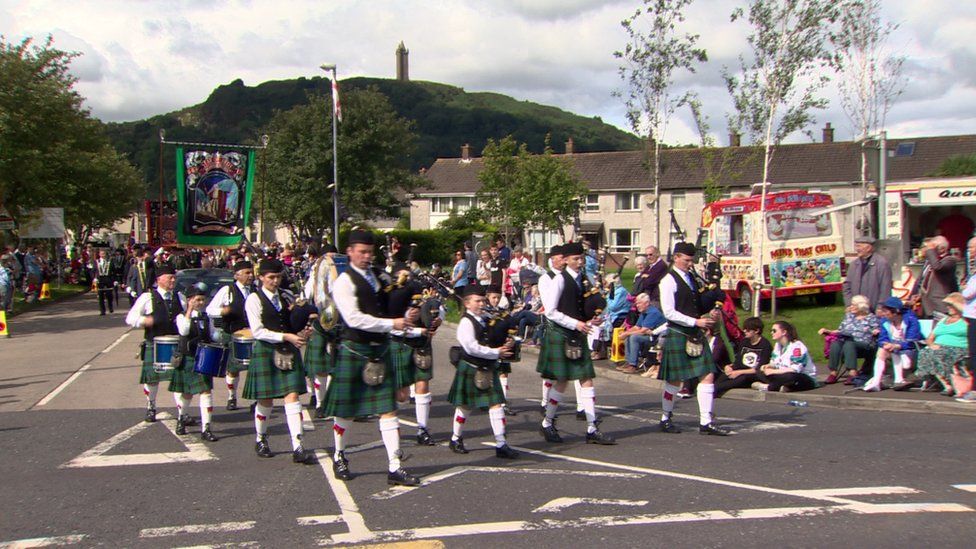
276	321
164	317
571	299
236	319
686	300
199	333
370	302
481	335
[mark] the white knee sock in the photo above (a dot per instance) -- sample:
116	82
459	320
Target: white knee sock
150	390
321	384
667	399
579	402
413	390
328	380
206	410
460	416
261	415
423	409
339	426
875	381
390	430
586	399
504	380
706	398
497	418
899	363
309	385
546	387
231	386
555	397
293	415
184	405
178	399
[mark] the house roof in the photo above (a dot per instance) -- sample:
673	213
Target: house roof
805	163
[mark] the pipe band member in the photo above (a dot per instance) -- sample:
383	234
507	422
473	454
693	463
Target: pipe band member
195	328
228	305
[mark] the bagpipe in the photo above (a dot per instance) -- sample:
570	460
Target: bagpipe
500	327
412	292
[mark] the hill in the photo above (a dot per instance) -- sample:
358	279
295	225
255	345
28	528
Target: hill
445	118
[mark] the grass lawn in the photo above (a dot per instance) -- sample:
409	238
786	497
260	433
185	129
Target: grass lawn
65	290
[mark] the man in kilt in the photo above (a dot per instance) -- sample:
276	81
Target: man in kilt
270	374
320	355
476	381
494	301
364	380
565	354
194	327
155	311
228	306
682	306
404	346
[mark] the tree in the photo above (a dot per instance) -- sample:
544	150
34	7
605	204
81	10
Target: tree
52	153
652	56
869	77
522	190
374	152
776	92
957	166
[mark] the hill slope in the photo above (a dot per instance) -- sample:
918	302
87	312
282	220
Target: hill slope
445	118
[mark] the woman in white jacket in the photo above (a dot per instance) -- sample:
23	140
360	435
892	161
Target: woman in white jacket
791	368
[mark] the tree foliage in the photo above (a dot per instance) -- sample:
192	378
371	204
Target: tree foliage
957	166
374	148
52	153
521	190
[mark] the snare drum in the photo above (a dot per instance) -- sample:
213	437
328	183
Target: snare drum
163	349
242	348
211	360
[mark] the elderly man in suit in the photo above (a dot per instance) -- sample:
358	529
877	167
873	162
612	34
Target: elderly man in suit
868	275
938	278
650	277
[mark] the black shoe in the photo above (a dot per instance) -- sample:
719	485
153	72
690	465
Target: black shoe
597	437
181	425
580	415
320	413
542	411
402	478
207	435
424	438
668	426
189	421
341	467
303	456
505	452
313	403
711	429
262	448
150	415
550	433
457	446
253	406
508	411
231	404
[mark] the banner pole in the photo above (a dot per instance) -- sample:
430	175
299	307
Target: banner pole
159	217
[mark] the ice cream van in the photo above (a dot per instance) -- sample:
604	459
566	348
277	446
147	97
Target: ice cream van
802	250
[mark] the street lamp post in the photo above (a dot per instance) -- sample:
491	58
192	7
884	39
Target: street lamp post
330	67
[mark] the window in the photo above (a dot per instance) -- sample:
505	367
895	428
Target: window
542	240
731	235
628	202
905	149
445	204
624	240
678	200
793	224
592	202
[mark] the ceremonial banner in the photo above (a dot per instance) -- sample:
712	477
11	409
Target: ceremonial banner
213	196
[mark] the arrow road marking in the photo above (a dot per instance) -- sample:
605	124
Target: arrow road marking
558	504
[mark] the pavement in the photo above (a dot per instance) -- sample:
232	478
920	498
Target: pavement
82	469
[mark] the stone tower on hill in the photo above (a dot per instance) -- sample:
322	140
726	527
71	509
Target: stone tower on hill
402	63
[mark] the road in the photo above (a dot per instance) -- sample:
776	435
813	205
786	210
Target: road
82	469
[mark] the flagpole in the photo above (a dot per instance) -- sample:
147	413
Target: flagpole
335	155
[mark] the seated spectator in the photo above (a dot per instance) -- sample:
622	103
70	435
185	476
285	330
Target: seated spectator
857	337
752	353
650	324
946	345
618	304
790	367
899	332
529	315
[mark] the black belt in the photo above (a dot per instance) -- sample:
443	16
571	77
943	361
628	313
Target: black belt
478	361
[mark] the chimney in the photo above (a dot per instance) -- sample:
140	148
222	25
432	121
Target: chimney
828	134
466	151
735	140
569	146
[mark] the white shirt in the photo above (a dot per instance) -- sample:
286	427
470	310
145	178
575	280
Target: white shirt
466	337
549	291
344	295
143	307
253	308
222	299
515	266
668	287
795	356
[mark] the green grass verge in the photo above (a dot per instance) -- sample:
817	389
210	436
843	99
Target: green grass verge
66	290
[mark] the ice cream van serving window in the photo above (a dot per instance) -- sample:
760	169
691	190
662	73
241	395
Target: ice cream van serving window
794	224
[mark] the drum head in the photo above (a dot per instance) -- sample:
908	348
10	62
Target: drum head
244	333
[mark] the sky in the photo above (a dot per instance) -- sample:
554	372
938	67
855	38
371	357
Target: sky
146	57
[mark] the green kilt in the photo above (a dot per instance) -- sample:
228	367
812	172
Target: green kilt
348	395
504	368
266	381
401	358
676	365
185	380
318	359
464	393
148	375
233	366
553	363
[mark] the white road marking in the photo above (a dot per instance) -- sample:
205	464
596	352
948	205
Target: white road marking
454	471
350	511
558	504
319	520
363	447
196	451
71	379
117	341
966	487
42	542
222	545
197	529
307	424
739	425
858	491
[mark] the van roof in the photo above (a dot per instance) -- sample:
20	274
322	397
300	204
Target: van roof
781	200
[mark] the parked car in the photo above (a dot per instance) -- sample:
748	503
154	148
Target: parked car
212	279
